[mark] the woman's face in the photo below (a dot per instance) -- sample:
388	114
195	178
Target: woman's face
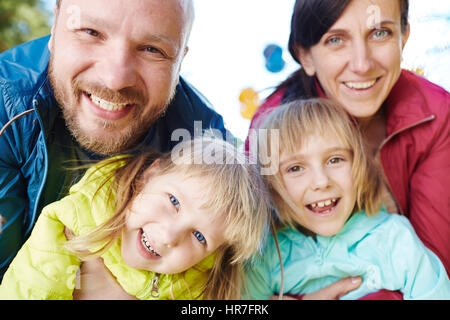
357	61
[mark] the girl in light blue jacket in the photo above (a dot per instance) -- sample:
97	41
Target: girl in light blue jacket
329	197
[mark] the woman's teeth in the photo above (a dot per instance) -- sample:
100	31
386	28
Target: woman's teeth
147	245
106	105
360	85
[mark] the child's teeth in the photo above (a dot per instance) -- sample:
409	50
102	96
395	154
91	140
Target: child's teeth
147	244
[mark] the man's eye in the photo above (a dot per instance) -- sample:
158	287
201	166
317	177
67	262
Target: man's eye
91	32
153	50
199	237
174	201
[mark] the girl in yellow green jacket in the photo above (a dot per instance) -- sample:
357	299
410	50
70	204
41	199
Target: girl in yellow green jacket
172	226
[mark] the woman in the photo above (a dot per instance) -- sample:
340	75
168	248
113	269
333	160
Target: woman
350	52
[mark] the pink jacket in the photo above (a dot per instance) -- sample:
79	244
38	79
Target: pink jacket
415	156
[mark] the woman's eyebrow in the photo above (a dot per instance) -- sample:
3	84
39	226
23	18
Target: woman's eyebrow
374	26
382	23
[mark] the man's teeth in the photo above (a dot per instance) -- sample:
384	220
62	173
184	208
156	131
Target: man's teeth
147	245
360	85
106	105
322	204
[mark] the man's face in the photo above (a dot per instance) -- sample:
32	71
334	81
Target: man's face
114	67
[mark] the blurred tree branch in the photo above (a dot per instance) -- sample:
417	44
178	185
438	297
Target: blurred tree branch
21	21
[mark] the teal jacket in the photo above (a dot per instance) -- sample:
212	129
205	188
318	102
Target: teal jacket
34	148
383	249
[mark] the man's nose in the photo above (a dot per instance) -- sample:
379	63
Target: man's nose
117	68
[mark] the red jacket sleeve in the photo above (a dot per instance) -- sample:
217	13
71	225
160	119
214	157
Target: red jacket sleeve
271	103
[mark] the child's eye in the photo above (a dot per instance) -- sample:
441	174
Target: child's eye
295	169
199	237
335	160
174	201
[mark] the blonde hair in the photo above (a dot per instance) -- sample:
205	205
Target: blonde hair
296	122
236	191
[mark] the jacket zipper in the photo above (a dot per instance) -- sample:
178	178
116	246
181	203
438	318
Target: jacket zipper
432	117
155	287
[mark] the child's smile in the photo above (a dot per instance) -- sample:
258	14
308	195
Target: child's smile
318	179
145	248
324	207
168	229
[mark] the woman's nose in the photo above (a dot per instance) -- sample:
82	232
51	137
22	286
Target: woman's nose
116	69
361	58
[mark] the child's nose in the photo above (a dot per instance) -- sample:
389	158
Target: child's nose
320	179
171	236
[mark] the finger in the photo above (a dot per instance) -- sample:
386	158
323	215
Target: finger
342	287
69	234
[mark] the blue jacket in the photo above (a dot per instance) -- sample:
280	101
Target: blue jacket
384	250
25	162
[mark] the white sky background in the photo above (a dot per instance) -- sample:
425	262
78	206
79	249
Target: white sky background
229	37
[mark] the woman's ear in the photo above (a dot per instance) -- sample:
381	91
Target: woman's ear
306	60
405	35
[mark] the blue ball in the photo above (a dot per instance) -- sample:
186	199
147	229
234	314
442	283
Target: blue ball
274	58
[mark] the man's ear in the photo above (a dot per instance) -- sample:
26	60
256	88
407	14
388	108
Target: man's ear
306	60
52	30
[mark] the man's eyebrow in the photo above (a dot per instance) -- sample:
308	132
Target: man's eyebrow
99	22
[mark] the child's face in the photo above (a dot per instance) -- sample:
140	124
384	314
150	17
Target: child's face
318	179
167	231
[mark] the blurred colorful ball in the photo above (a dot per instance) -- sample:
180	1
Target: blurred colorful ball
249	102
274	58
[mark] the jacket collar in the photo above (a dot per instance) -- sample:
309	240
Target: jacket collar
406	105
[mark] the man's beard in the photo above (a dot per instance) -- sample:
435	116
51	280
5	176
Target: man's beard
114	142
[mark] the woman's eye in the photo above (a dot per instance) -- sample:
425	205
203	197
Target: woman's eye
380	34
335	40
199	237
174	201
